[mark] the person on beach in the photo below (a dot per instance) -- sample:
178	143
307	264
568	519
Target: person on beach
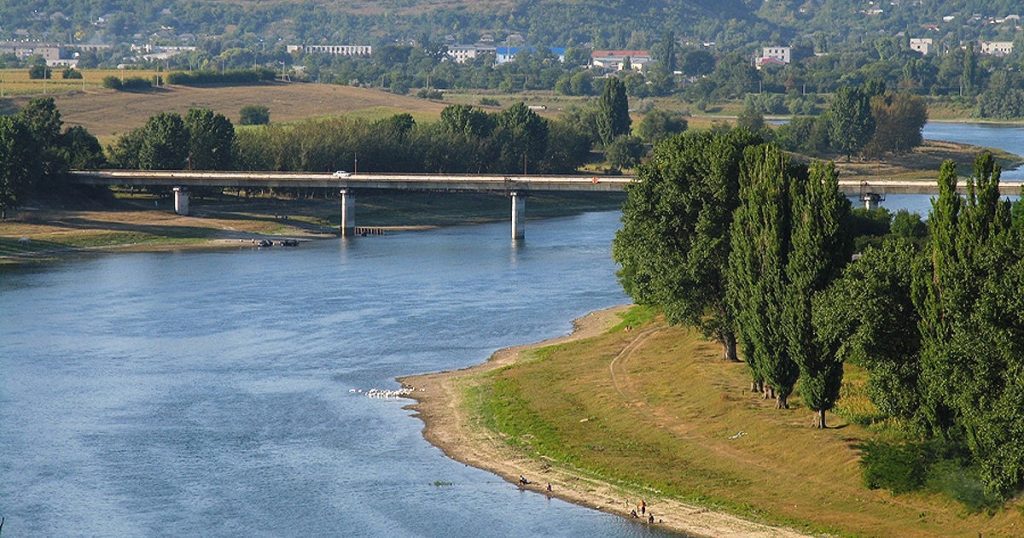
633	513
523	480
549	487
643	506
650	519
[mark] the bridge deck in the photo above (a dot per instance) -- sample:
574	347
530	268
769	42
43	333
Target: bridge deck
433	182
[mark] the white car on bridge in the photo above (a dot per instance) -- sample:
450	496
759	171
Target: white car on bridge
341	173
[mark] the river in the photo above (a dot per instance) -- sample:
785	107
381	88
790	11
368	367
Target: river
217	393
211	393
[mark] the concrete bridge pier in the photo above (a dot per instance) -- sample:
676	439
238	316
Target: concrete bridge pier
518	215
181	199
348	213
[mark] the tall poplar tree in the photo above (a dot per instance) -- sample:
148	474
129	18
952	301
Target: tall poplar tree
613	111
760	236
969	293
820	247
850	124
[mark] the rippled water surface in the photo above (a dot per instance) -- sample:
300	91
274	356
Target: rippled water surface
209	393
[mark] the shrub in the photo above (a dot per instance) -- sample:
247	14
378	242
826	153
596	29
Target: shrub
71	73
254	115
427	93
39	71
489	101
898	468
229	77
111	82
625	151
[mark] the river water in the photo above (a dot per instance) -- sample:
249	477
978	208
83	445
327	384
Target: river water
215	393
210	393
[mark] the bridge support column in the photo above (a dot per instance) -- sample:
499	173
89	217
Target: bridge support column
348	213
518	215
181	199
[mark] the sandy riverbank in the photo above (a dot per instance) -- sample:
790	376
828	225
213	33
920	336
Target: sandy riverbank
450	426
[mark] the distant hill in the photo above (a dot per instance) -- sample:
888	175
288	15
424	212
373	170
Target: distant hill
603	23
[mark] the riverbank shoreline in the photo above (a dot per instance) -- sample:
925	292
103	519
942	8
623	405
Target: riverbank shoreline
448	424
147	222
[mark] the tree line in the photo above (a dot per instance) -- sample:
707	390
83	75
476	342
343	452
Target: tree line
724	232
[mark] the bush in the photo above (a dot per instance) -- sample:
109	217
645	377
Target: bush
898	468
254	115
39	71
229	77
71	73
427	93
128	84
624	152
489	101
908	225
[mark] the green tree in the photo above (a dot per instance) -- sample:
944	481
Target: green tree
211	139
624	152
42	118
908	225
899	119
967	290
819	248
759	238
658	125
613	111
868	317
39	71
665	52
969	71
20	157
523	138
674	243
124	152
697	63
164	144
750	119
80	149
467	120
254	115
850	122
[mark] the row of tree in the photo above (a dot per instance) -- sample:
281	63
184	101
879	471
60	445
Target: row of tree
868	120
727	234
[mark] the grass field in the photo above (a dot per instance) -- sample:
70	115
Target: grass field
674	420
107	112
15	82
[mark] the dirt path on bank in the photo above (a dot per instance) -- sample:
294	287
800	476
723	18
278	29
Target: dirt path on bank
449	426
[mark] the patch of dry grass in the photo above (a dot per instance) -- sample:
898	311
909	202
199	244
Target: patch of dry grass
108	112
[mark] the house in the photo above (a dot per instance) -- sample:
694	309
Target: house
997	48
921	44
507	54
336	50
461	54
615	60
782	54
768	61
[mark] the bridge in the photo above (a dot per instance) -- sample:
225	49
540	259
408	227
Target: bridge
517	187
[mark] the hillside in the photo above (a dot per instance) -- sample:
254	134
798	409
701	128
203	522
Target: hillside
603	23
